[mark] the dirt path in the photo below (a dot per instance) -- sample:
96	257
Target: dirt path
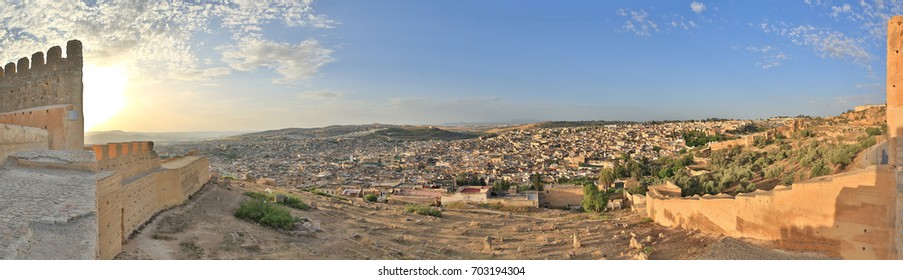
204	228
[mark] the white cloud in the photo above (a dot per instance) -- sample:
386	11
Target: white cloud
838	10
638	22
825	42
154	39
196	74
319	95
697	7
845	102
676	22
770	56
293	62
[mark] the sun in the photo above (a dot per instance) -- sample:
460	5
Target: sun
104	93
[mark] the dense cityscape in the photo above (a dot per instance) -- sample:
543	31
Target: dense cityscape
513	155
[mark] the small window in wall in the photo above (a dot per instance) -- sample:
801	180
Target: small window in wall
73	115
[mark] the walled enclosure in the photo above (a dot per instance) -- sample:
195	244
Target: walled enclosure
561	196
59	199
854	215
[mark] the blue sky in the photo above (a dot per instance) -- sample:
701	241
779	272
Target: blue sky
266	65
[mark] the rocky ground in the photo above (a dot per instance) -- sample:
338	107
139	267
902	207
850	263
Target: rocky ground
204	228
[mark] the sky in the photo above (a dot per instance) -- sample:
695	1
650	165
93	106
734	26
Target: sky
257	65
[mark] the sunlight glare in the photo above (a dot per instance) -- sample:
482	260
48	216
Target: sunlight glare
104	94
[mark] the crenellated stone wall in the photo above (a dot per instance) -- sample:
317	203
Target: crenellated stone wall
46	95
135	184
74	202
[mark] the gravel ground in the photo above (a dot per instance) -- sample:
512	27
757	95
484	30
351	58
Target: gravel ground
728	248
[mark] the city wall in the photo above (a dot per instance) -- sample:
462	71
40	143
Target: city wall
46	95
474	198
848	215
14	138
561	197
744	141
134	185
514	202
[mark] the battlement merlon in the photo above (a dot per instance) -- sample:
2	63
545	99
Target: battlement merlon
111	151
54	61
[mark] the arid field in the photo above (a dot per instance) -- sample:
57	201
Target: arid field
204	228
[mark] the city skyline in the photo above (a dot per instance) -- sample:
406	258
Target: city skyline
256	66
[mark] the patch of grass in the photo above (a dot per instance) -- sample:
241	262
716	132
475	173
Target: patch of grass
267	214
456	205
647	250
370	197
294	202
290	200
258	196
162	237
646	220
192	250
171	225
505	208
422	210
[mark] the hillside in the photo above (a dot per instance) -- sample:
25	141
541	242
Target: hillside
815	147
380	131
823	146
332	131
409	133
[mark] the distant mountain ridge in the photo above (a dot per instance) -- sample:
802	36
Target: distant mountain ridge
381	131
114	136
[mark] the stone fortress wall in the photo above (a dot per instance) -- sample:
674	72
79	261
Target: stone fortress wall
15	138
60	199
135	184
46	95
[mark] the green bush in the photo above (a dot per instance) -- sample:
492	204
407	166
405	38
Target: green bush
294	202
819	169
258	196
872	131
370	197
788	180
290	201
422	210
594	200
267	214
